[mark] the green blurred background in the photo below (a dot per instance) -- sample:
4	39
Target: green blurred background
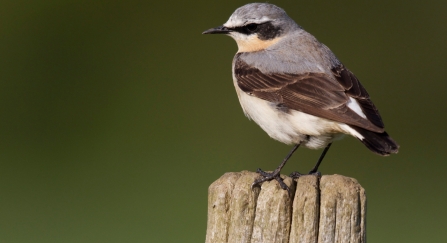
117	115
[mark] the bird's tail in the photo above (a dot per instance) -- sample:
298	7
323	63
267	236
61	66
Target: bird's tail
379	143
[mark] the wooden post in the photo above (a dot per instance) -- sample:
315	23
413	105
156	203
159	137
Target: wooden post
328	209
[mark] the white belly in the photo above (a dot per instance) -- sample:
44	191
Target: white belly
292	127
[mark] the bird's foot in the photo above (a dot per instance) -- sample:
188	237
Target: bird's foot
296	174
265	176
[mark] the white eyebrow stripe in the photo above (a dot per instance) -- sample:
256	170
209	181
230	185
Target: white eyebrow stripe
235	22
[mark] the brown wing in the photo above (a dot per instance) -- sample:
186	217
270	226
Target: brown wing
317	94
355	90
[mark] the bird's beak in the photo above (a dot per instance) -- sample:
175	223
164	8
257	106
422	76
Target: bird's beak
218	30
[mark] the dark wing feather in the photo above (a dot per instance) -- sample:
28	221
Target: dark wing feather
317	94
355	90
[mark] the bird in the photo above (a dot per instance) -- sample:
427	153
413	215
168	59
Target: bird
296	89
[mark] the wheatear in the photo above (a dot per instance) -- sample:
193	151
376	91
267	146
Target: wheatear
295	88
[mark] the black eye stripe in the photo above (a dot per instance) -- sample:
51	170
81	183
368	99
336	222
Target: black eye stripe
265	31
251	27
247	29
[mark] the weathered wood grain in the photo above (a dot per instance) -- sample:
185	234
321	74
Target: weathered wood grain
219	196
342	210
306	211
243	208
327	209
273	210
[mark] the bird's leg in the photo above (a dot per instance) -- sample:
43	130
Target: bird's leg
265	176
314	171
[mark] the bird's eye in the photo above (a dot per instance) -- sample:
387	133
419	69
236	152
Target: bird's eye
251	27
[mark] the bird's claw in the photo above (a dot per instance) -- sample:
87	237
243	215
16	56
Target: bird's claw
296	174
265	176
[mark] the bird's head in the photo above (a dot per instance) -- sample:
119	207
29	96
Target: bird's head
256	26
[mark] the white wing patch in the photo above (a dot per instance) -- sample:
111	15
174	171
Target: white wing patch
354	106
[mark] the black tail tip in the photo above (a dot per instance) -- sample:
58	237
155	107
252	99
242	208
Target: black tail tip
379	143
